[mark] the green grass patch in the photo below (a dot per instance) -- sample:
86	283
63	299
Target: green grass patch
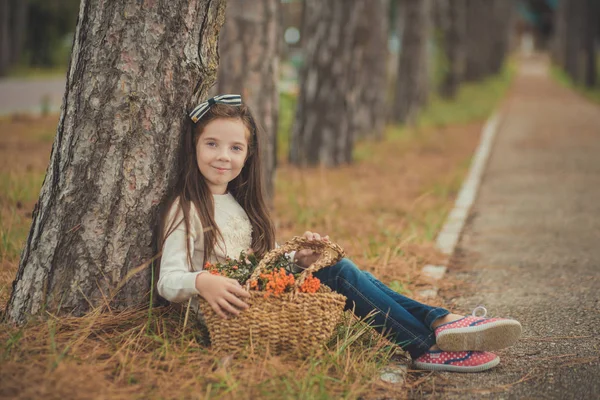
474	101
13	232
20	188
18	191
564	79
287	113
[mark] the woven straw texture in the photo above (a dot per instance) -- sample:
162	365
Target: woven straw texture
295	323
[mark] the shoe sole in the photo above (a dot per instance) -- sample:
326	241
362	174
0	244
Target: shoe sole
458	368
491	336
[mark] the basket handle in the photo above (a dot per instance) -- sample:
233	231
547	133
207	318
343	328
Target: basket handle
331	253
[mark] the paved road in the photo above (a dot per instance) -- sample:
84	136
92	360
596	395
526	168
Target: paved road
532	246
30	95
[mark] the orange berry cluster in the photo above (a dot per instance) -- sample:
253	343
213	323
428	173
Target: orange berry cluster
211	268
273	282
277	282
310	285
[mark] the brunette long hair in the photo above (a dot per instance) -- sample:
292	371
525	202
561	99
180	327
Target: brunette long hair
247	188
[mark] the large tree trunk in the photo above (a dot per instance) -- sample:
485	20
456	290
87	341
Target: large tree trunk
322	132
412	82
136	70
5	38
452	14
371	41
249	49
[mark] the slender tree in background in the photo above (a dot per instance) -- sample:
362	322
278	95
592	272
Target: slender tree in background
451	23
412	82
479	31
136	71
36	32
591	33
249	65
18	29
323	129
488	24
560	33
576	39
5	37
371	41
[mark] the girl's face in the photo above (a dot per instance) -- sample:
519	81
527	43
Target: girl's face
221	151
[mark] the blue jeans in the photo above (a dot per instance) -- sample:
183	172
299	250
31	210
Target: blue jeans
404	321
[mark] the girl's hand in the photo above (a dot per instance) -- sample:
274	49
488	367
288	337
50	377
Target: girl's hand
223	294
314	236
306	257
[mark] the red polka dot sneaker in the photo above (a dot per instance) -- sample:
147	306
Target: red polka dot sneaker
461	361
477	333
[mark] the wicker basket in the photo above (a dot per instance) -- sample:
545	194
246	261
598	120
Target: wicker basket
292	322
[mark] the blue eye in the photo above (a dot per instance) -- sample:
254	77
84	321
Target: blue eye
237	148
212	144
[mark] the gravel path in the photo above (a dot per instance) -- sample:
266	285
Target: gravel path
531	249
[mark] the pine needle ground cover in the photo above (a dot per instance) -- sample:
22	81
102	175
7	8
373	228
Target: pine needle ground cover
385	211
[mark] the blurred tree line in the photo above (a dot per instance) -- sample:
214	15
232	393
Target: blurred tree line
352	82
36	33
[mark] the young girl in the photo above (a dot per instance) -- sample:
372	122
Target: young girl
218	210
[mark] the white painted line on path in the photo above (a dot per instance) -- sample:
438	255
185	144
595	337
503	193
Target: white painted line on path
449	235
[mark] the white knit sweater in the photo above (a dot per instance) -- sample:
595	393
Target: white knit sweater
177	278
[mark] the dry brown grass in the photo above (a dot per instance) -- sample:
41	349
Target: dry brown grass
385	211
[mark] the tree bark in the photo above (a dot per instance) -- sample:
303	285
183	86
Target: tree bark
371	42
136	70
501	12
412	82
592	18
560	31
5	38
575	26
453	28
249	49
488	23
323	129
18	29
478	39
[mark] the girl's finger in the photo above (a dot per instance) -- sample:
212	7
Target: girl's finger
326	238
308	235
235	301
231	280
316	236
218	310
239	291
224	304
